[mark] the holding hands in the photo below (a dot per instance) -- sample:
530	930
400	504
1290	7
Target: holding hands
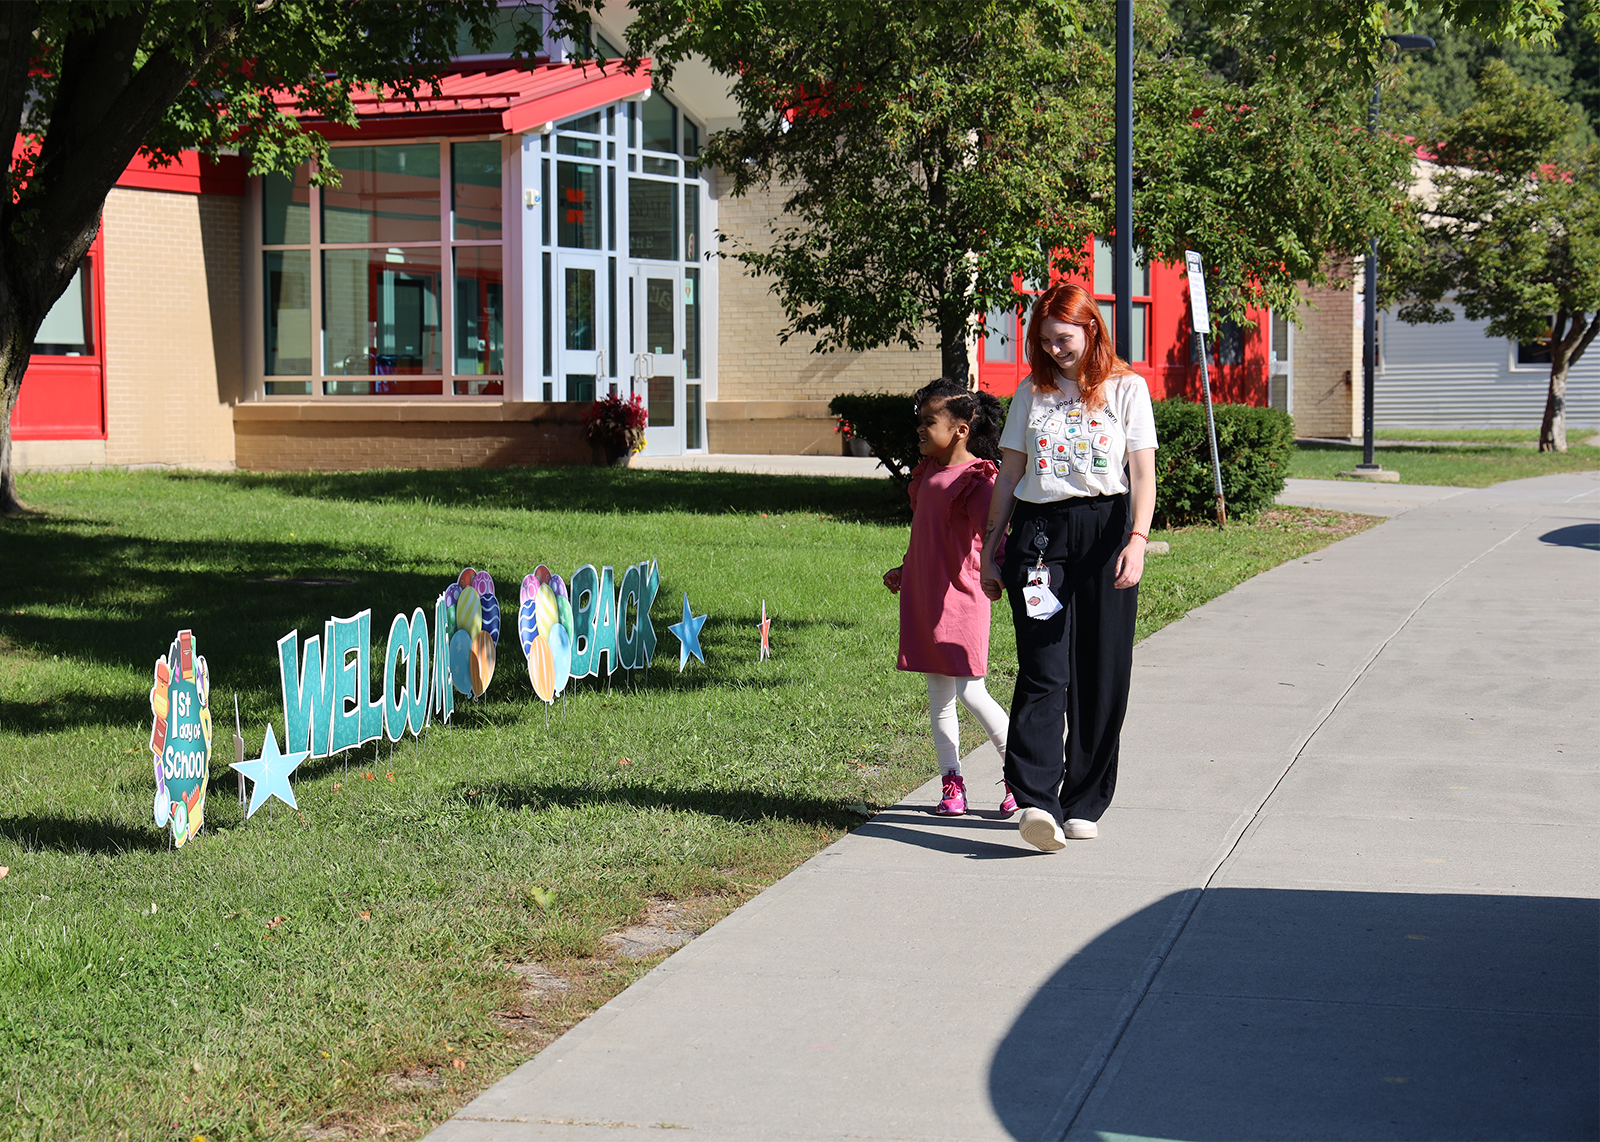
891	580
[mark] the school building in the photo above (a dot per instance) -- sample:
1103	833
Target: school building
494	258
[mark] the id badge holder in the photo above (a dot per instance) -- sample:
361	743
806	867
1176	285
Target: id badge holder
1036	593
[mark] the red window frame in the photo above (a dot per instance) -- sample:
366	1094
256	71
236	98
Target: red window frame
1167	367
64	398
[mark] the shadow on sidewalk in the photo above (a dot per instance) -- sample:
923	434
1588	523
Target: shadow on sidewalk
1308	1014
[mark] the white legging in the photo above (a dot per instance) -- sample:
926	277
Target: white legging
943	694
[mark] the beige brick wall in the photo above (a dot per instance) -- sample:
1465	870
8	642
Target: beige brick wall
752	363
173	368
1327	363
334	436
771	428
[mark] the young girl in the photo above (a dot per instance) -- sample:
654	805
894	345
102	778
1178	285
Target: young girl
944	614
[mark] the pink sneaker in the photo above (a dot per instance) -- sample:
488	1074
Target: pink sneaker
954	803
1008	804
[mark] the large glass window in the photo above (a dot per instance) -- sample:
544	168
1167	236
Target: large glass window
578	204
385	194
287	275
68	329
1105	291
480	312
286	208
475	196
387	293
381	317
652	219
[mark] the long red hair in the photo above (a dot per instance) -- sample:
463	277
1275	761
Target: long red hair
1074	305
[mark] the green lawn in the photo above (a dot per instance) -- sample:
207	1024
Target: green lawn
1442	464
346	966
1575	434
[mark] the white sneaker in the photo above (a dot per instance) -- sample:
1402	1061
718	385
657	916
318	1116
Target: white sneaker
1040	830
1077	829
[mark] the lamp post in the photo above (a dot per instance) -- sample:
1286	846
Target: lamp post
1122	249
1368	469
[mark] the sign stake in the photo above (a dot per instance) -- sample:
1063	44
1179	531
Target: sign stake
1201	314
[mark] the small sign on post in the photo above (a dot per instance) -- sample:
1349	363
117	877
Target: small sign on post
1201	314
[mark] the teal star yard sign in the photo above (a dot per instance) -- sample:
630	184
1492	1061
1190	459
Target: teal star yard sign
688	632
270	774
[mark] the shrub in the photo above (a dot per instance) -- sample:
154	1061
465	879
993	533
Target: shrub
886	423
1255	445
617	424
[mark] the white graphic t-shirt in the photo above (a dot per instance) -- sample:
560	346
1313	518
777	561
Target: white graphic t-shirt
1070	451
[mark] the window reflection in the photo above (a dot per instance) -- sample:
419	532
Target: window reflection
578	205
67	328
652	219
480	311
475	192
381	318
385	194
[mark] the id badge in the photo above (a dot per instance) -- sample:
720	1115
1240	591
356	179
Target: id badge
1041	601
1036	593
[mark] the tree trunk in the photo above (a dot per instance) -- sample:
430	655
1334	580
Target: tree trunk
1553	431
14	353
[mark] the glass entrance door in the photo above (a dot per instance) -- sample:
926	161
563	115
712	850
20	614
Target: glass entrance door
582	330
657	372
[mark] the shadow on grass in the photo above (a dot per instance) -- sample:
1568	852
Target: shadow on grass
80	835
731	805
599	491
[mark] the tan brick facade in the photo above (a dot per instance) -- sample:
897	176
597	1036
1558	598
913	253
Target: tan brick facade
173	366
334	436
771	428
1327	362
754	365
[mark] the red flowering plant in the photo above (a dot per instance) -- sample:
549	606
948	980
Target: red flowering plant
616	424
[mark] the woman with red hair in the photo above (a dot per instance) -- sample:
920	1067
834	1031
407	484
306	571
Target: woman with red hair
1077	485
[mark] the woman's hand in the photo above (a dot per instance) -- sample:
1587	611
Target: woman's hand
1142	480
1130	563
891	580
989	580
1000	505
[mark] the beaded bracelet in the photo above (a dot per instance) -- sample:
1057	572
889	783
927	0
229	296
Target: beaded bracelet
1140	534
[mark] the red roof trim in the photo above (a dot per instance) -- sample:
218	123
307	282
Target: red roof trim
510	99
189	173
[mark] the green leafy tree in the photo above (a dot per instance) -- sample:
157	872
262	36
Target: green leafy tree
1512	230
931	149
89	85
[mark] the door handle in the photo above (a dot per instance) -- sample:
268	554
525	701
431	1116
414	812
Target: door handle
600	363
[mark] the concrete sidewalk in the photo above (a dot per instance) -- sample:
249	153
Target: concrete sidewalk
1347	890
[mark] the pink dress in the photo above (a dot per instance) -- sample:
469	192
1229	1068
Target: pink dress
944	614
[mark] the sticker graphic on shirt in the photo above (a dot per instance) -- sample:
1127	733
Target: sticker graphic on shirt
1101	464
1062	467
1043	443
1044	463
1102	442
1095	422
1053	424
1061	449
1080	447
1074	430
1074	414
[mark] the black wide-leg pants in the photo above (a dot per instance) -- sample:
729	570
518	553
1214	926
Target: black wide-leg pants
1076	663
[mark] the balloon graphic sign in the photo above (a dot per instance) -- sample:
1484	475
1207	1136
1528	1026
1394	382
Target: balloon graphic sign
545	629
472	623
180	738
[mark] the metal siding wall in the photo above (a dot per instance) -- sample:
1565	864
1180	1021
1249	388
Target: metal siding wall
1453	376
